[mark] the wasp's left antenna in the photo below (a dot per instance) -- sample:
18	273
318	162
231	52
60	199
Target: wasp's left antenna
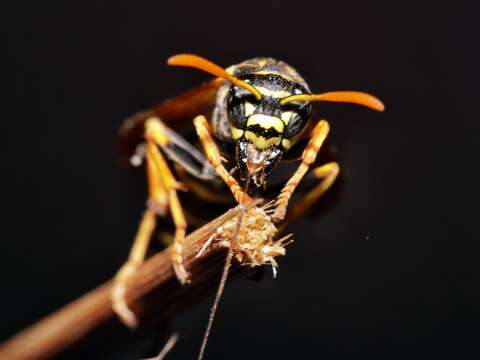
353	97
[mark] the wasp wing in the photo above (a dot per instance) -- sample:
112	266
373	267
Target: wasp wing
173	112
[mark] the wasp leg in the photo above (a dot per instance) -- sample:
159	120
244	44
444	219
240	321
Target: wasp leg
162	197
319	133
214	158
184	155
327	174
156	135
188	160
135	259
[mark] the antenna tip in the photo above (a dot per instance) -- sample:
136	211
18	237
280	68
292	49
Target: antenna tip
175	59
379	105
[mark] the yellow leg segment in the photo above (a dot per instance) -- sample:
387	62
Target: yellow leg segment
215	159
162	188
309	155
155	135
135	259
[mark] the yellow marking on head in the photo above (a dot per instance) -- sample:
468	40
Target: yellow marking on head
269	72
278	94
249	108
231	69
286	144
286	116
261	142
236	133
266	122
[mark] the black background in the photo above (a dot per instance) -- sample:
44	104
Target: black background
390	271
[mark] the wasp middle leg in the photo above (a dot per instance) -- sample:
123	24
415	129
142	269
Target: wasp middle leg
163	198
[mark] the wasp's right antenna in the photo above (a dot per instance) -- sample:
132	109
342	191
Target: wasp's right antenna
195	61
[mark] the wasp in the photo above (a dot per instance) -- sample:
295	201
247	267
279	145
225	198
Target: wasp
249	119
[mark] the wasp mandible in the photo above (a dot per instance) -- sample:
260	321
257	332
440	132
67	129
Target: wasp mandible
258	112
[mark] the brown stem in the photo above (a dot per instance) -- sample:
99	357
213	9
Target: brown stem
54	333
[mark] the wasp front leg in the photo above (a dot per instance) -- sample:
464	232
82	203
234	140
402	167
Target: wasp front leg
162	198
309	155
215	159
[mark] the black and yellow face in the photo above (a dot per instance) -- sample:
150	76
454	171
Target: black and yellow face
264	129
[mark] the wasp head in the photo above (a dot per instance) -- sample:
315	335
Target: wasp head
263	129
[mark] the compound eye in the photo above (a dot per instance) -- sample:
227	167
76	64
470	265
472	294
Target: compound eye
292	106
295	116
238	95
244	95
236	106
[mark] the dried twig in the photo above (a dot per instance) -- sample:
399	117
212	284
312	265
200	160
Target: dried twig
68	325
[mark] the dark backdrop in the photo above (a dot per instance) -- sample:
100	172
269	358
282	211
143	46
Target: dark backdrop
390	270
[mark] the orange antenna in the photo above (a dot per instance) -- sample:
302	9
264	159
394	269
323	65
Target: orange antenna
354	97
200	63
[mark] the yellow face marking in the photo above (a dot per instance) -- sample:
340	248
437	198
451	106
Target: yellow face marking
286	116
231	69
260	142
236	133
266	122
286	144
249	108
273	93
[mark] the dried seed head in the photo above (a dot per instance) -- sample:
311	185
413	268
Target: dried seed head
255	243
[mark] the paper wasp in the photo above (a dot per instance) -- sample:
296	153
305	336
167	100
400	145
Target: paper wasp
248	119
